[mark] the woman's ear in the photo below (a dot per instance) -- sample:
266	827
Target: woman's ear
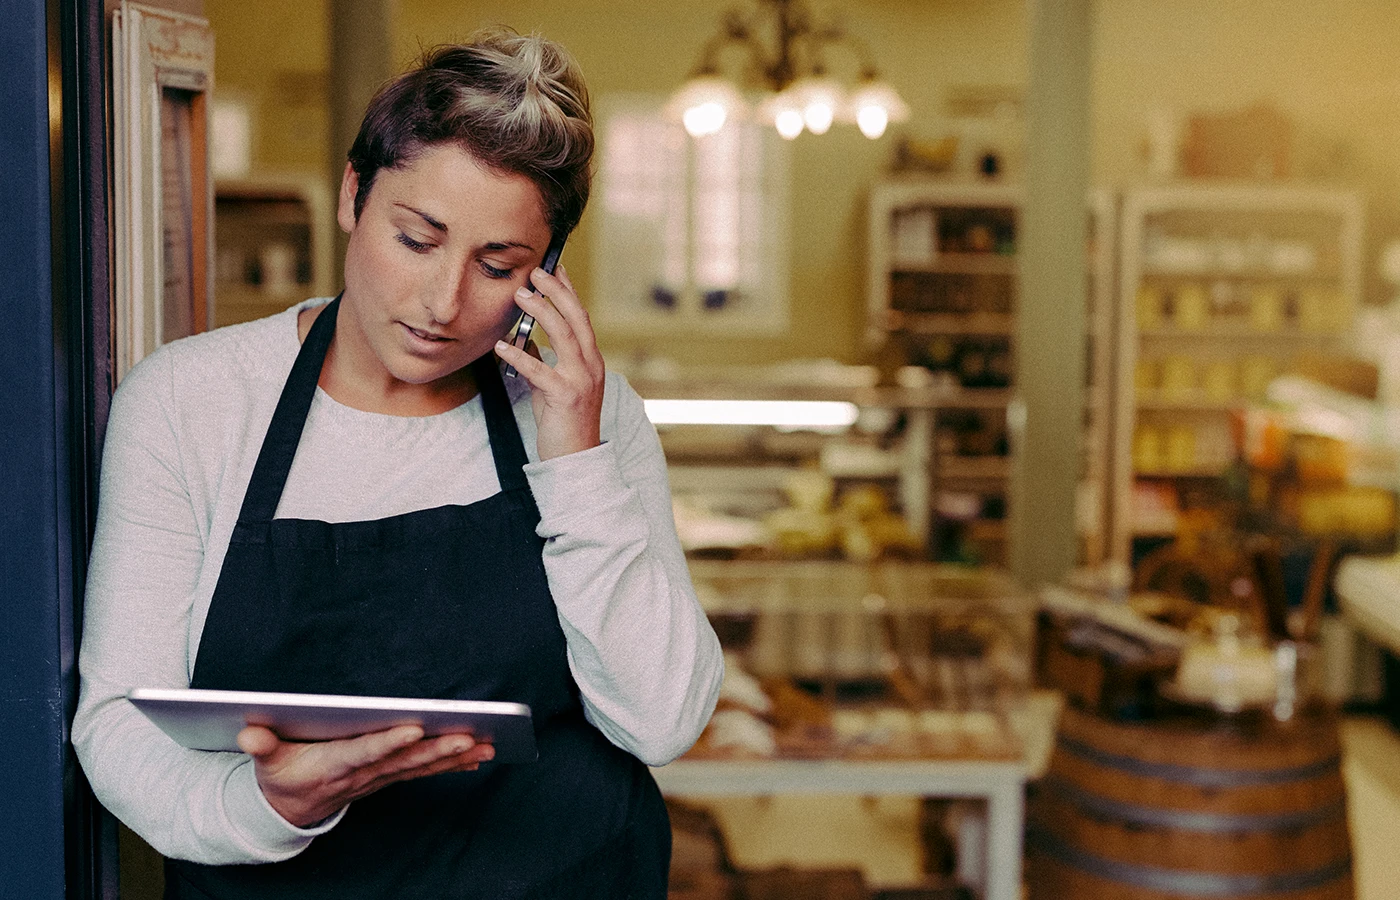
345	210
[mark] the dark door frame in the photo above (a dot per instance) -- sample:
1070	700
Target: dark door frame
54	387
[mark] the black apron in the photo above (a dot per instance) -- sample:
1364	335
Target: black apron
450	602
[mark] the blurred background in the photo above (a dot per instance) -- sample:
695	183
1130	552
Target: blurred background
1045	398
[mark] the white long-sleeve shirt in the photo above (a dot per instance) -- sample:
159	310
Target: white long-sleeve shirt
185	429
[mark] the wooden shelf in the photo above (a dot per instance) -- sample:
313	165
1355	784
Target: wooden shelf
971	323
1165	273
1239	332
988	530
235	303
960	264
1196	472
968	468
1191	405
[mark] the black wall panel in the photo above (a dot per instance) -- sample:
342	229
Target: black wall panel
33	505
53	351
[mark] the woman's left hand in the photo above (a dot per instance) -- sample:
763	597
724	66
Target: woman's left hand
567	398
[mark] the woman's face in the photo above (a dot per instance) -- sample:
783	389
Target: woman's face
432	265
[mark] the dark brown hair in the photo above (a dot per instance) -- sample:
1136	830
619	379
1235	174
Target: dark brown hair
517	103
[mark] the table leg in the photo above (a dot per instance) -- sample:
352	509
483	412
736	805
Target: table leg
971	828
1006	810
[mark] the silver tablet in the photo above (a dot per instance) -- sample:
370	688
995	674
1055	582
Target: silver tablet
211	720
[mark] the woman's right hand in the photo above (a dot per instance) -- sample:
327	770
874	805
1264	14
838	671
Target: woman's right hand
309	782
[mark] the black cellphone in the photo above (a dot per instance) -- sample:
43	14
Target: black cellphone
521	338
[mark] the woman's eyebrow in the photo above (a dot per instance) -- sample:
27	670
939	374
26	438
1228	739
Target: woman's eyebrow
440	226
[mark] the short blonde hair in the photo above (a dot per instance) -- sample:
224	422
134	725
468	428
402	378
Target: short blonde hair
517	103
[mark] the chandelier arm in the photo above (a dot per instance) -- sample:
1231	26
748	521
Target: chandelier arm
835	34
709	54
772	69
778	66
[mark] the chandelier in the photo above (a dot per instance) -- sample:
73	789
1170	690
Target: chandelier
786	63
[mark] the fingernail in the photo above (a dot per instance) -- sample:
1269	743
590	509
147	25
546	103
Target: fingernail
461	746
501	345
488	752
523	293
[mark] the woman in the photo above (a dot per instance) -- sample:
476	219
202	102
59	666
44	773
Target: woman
348	498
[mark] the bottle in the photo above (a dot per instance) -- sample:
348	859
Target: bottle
972	364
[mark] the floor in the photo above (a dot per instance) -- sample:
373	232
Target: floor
1372	769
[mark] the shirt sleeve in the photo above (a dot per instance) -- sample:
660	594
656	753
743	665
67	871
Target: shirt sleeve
646	660
147	555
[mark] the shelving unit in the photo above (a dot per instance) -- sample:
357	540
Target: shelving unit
273	245
942	295
1222	287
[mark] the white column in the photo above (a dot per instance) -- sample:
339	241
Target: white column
1047	421
361	59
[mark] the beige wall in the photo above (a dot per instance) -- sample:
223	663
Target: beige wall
277	64
1332	67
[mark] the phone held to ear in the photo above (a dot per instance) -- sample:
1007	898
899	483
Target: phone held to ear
527	321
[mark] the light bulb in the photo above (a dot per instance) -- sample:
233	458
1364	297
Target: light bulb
818	96
873	106
789	123
872	121
705	103
818	116
783	111
706	118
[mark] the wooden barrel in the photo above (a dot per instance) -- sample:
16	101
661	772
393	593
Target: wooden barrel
1189	808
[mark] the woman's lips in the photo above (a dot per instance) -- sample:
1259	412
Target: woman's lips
425	340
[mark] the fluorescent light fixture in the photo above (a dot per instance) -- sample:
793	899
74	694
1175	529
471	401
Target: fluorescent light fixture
784	415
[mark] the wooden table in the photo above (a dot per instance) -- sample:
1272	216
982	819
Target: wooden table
989	858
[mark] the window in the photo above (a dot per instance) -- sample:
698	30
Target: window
691	232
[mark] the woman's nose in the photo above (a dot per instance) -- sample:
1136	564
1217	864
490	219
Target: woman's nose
444	300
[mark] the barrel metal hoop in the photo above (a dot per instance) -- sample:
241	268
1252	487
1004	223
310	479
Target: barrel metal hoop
1198	777
1191	884
1186	820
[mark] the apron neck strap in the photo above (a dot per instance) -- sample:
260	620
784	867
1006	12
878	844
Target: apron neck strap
507	448
279	448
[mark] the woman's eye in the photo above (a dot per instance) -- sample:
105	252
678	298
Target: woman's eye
410	243
493	272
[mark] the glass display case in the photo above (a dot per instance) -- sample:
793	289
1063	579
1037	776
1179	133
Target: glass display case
891	660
